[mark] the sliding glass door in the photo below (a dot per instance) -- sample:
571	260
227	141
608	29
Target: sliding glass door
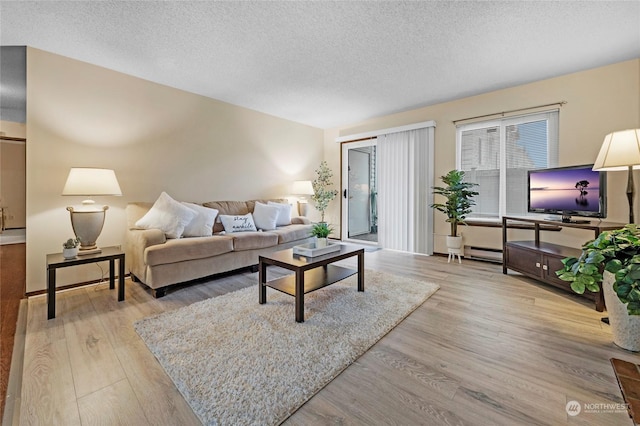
359	192
387	178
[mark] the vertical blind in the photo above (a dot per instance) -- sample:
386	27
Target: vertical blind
405	178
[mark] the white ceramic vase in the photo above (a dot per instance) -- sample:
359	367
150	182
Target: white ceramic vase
321	242
70	253
624	327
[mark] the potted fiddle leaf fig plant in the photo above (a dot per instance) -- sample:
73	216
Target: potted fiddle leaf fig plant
321	231
611	261
459	200
70	248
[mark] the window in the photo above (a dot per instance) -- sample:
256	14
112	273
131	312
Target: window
496	155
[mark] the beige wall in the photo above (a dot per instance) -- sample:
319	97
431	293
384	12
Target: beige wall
599	101
12	129
155	138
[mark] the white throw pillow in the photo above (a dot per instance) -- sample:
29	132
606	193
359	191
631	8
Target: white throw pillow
202	224
265	216
168	215
284	213
237	223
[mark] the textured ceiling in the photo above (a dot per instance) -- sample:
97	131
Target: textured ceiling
329	64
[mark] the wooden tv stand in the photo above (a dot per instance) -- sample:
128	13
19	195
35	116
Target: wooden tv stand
540	260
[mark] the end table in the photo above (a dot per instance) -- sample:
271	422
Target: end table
56	261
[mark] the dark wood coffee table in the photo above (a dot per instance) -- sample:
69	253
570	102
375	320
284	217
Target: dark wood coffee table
311	273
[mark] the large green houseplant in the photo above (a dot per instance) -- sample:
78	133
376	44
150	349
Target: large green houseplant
611	261
459	198
616	251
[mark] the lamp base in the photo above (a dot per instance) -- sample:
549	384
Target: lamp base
87	223
84	252
303	208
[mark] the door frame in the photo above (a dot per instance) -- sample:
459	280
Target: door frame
344	179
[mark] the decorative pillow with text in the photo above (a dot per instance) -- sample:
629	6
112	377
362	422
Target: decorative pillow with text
237	223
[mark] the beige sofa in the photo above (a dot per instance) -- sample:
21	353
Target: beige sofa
159	262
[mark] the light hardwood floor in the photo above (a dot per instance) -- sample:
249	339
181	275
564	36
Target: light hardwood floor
486	349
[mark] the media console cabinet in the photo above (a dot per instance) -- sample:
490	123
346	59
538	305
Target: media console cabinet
540	260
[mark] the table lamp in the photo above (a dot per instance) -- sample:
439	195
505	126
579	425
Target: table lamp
302	188
87	221
621	151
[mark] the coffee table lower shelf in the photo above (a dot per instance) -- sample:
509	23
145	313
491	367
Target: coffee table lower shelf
314	279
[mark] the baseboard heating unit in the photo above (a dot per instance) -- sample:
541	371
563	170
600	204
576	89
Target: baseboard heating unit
483	253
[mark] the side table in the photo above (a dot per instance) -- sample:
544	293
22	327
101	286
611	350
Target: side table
56	261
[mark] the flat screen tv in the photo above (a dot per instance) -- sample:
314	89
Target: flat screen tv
568	191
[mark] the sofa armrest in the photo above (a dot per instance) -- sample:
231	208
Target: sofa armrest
143	238
136	242
300	220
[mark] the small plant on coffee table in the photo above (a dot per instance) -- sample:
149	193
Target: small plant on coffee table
321	230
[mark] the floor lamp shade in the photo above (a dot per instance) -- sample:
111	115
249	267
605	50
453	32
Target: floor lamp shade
87	220
621	151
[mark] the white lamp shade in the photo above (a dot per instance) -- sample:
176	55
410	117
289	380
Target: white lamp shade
619	150
302	187
89	181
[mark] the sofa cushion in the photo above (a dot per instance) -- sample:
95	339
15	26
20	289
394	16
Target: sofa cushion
292	233
238	223
284	213
265	216
202	224
253	240
226	208
168	215
301	220
252	203
234	208
184	249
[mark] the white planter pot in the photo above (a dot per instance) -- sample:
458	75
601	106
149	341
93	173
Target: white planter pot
454	248
454	243
624	327
70	253
321	242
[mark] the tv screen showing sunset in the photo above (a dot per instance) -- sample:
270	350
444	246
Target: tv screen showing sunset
564	190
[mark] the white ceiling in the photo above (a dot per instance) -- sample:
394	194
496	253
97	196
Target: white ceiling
328	64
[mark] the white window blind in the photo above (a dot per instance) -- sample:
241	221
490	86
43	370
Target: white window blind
497	154
405	176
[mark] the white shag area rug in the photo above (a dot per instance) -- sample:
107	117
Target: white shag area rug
237	362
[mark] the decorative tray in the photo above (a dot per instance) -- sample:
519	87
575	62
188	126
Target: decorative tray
311	250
